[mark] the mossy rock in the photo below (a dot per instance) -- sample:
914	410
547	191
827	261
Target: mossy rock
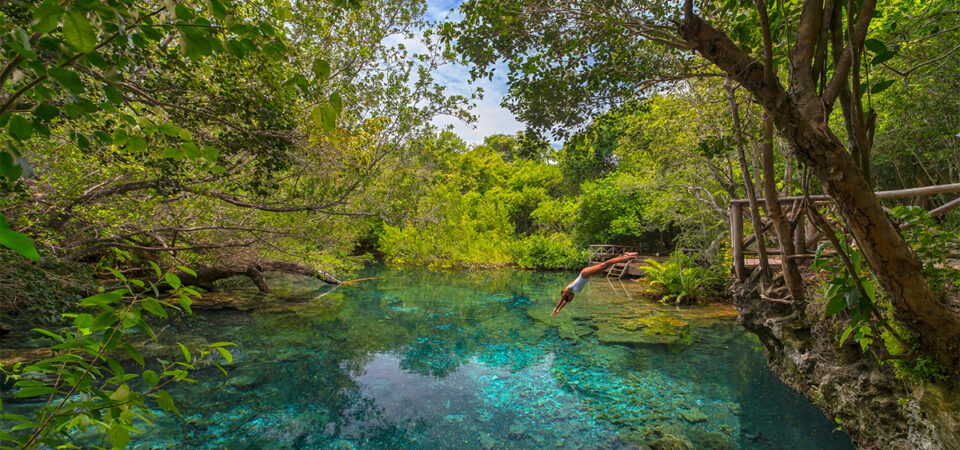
656	329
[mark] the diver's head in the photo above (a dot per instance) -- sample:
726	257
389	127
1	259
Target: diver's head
567	294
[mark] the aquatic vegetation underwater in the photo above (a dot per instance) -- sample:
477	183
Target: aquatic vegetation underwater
419	359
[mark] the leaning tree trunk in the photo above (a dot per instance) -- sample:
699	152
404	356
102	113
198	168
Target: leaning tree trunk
893	262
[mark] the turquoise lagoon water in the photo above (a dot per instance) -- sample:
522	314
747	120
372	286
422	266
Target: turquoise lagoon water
419	359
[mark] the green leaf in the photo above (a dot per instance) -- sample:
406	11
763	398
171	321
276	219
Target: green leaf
121	394
18	417
154	307
336	102
67	78
47	16
837	304
185	302
329	118
183	12
170	129
845	335
194	45
49	333
18	242
115	366
172	280
113	95
8	168
104	298
191	150
34	391
103	320
45	111
118	436
870	288
136	144
218	9
133	353
226	354
186	353
321	68
211	154
78	33
165	401
875	45
20	128
881	86
187	270
151	377
156	268
883	57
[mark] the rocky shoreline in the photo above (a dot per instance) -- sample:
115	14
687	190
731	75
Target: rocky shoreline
867	400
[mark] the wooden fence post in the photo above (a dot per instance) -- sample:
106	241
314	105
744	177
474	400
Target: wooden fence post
736	240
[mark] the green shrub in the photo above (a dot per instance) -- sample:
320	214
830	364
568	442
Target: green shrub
555	251
683	281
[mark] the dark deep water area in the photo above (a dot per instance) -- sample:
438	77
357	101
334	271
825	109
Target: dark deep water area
418	359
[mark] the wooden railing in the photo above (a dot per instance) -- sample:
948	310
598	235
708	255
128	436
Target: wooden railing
602	252
805	237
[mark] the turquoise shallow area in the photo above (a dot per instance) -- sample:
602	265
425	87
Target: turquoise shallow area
419	359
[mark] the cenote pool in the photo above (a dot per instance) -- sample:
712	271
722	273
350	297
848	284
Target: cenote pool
419	359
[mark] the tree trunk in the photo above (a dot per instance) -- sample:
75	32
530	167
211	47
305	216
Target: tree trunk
893	262
206	276
791	274
748	185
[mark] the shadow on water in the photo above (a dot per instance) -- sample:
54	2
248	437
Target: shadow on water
419	359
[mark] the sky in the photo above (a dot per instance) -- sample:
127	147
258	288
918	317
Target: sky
491	117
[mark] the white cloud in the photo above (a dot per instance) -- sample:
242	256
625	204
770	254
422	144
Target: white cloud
491	117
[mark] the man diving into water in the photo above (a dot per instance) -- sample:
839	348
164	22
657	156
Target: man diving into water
566	295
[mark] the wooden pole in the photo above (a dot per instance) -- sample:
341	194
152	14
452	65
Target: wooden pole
736	240
899	193
945	208
800	234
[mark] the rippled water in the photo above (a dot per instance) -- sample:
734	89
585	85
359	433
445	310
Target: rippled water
418	359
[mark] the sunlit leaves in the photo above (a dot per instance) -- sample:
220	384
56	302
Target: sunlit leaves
78	33
325	117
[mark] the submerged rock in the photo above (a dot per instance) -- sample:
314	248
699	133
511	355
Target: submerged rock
658	329
487	441
693	415
672	443
518	430
244	381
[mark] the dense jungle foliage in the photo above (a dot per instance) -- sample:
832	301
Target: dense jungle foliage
152	146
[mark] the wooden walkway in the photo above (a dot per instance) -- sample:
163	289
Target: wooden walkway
806	238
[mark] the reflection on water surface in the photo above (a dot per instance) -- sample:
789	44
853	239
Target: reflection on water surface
417	359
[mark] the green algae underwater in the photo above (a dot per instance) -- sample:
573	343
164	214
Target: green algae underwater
418	359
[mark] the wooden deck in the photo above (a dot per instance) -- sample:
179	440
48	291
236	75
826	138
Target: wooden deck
747	248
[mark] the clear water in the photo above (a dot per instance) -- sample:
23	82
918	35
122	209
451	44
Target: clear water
418	359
